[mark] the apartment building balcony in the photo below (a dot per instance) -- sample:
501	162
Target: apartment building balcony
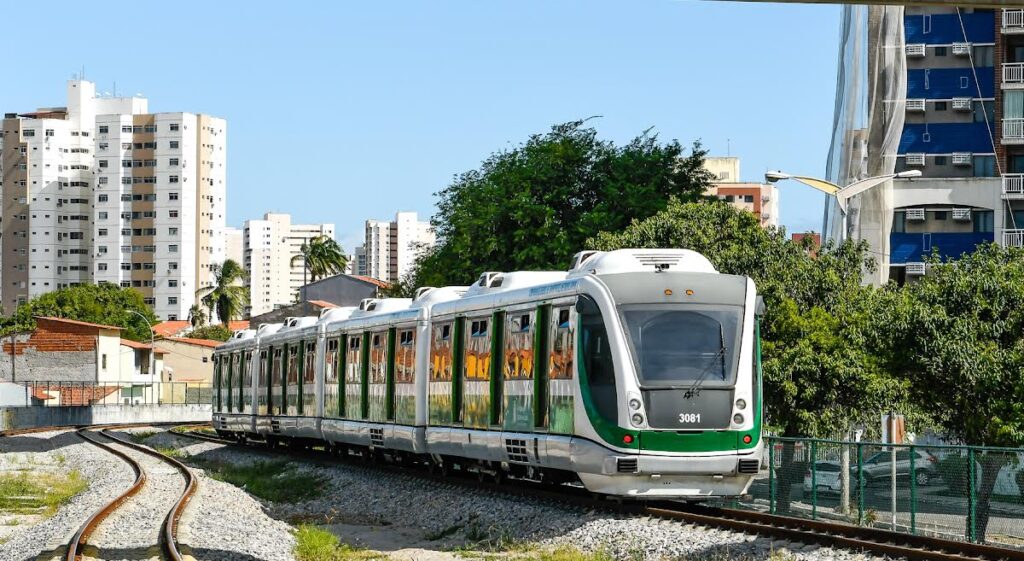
916	50
1013	20
915	105
916	269
1013	75
961	49
1013	186
963	104
1013	131
1013	238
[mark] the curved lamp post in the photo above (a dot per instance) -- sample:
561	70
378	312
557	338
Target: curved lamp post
842	194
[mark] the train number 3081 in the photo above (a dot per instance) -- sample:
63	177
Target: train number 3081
689	417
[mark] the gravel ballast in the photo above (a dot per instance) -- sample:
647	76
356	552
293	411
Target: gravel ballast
450	515
59	452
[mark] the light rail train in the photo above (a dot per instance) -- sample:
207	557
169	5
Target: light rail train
635	373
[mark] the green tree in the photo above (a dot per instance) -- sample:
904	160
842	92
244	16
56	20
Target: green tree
105	304
196	316
322	257
958	335
225	296
820	374
532	207
218	332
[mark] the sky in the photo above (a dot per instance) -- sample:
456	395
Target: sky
341	111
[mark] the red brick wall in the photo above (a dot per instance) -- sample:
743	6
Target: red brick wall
56	336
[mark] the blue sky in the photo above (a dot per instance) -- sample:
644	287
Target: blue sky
339	112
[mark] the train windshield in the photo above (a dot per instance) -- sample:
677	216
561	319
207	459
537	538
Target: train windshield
685	346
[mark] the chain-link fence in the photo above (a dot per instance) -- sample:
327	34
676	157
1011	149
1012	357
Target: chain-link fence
954	492
75	394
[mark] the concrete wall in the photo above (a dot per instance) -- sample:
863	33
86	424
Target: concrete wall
36	364
185	361
28	417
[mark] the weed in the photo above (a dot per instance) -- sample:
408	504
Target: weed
316	544
170	452
141	436
44	492
12	522
61	459
276	481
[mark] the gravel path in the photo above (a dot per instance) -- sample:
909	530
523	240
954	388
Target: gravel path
223	522
412	511
133	530
60	452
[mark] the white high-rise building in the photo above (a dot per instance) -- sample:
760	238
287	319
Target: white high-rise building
391	248
234	242
268	248
102	191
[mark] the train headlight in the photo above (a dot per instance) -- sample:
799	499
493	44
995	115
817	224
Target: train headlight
634	404
741	404
637	419
738	419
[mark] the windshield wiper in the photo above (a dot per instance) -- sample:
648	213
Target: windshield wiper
694	389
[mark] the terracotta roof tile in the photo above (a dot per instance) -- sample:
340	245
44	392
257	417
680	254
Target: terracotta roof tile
170	328
322	304
372	280
76	322
135	344
198	342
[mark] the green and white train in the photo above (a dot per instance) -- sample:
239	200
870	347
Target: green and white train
636	373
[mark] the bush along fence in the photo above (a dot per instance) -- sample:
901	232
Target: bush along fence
955	492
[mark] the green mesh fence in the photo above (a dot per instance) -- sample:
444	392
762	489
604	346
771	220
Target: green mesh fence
928	490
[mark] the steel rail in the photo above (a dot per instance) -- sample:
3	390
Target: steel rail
169	533
798	530
94	520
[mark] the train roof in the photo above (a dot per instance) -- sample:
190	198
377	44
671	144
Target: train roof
490	289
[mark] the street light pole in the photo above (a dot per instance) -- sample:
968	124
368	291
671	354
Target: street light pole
152	354
842	194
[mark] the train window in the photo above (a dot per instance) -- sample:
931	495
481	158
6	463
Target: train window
697	344
441	353
378	359
478	352
597	358
309	370
560	356
405	359
293	365
518	348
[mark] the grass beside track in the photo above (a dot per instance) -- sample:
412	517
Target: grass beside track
275	481
316	544
44	493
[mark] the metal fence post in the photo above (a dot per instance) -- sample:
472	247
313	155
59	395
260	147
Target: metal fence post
814	479
771	477
860	483
913	491
972	500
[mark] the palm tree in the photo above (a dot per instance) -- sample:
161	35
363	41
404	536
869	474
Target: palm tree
196	316
224	295
322	257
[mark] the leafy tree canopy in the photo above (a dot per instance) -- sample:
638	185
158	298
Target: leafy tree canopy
226	296
533	206
218	332
105	303
322	257
819	375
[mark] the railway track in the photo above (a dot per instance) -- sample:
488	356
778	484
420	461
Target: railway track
77	546
794	530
